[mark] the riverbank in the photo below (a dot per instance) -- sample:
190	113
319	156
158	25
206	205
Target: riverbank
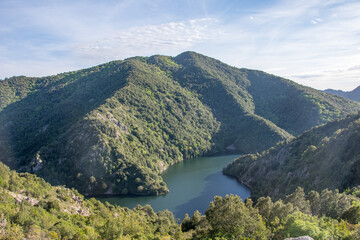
193	183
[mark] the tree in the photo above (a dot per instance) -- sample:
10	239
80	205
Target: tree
264	206
297	199
230	218
352	215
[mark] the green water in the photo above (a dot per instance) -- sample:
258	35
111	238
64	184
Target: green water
192	184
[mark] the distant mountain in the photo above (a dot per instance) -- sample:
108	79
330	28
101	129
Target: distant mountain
115	127
352	95
323	157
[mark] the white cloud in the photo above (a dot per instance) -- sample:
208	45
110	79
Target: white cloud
288	38
283	41
172	37
316	20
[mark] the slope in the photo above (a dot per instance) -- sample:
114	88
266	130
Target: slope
290	106
115	127
223	89
31	208
110	129
293	107
352	95
323	157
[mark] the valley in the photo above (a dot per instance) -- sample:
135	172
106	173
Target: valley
115	127
158	130
193	183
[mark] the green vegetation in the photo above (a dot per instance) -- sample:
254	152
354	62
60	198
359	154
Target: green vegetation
324	215
33	209
293	107
224	90
323	157
115	127
108	134
30	208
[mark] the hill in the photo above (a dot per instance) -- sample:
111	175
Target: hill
352	95
30	208
323	157
115	127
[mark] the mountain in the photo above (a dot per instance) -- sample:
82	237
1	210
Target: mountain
352	95
115	127
327	156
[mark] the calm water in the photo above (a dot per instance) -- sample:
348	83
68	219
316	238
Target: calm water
192	184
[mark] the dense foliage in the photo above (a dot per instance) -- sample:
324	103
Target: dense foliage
325	215
251	95
115	127
30	208
323	157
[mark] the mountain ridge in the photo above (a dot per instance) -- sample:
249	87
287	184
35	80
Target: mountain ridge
352	95
115	127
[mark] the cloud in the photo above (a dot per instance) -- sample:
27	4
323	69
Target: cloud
315	43
147	40
300	40
316	20
307	76
354	68
344	79
85	33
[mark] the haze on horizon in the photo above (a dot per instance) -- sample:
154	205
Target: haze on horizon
315	43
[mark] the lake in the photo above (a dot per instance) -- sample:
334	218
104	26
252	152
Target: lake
193	184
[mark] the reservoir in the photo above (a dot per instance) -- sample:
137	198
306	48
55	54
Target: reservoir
193	184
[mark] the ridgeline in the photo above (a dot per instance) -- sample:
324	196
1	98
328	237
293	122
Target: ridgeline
115	127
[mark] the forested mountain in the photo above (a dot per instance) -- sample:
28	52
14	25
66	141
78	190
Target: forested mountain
30	208
323	157
115	127
352	95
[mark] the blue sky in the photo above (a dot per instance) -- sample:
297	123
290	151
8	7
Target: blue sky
315	43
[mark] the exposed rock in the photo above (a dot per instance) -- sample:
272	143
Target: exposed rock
231	147
19	198
36	163
76	207
300	238
163	166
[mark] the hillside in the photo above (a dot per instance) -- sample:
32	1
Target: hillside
352	95
323	157
112	128
115	127
290	106
30	208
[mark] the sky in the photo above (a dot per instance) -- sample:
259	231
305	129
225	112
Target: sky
315	43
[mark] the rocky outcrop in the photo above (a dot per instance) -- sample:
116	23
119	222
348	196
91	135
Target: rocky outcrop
300	238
